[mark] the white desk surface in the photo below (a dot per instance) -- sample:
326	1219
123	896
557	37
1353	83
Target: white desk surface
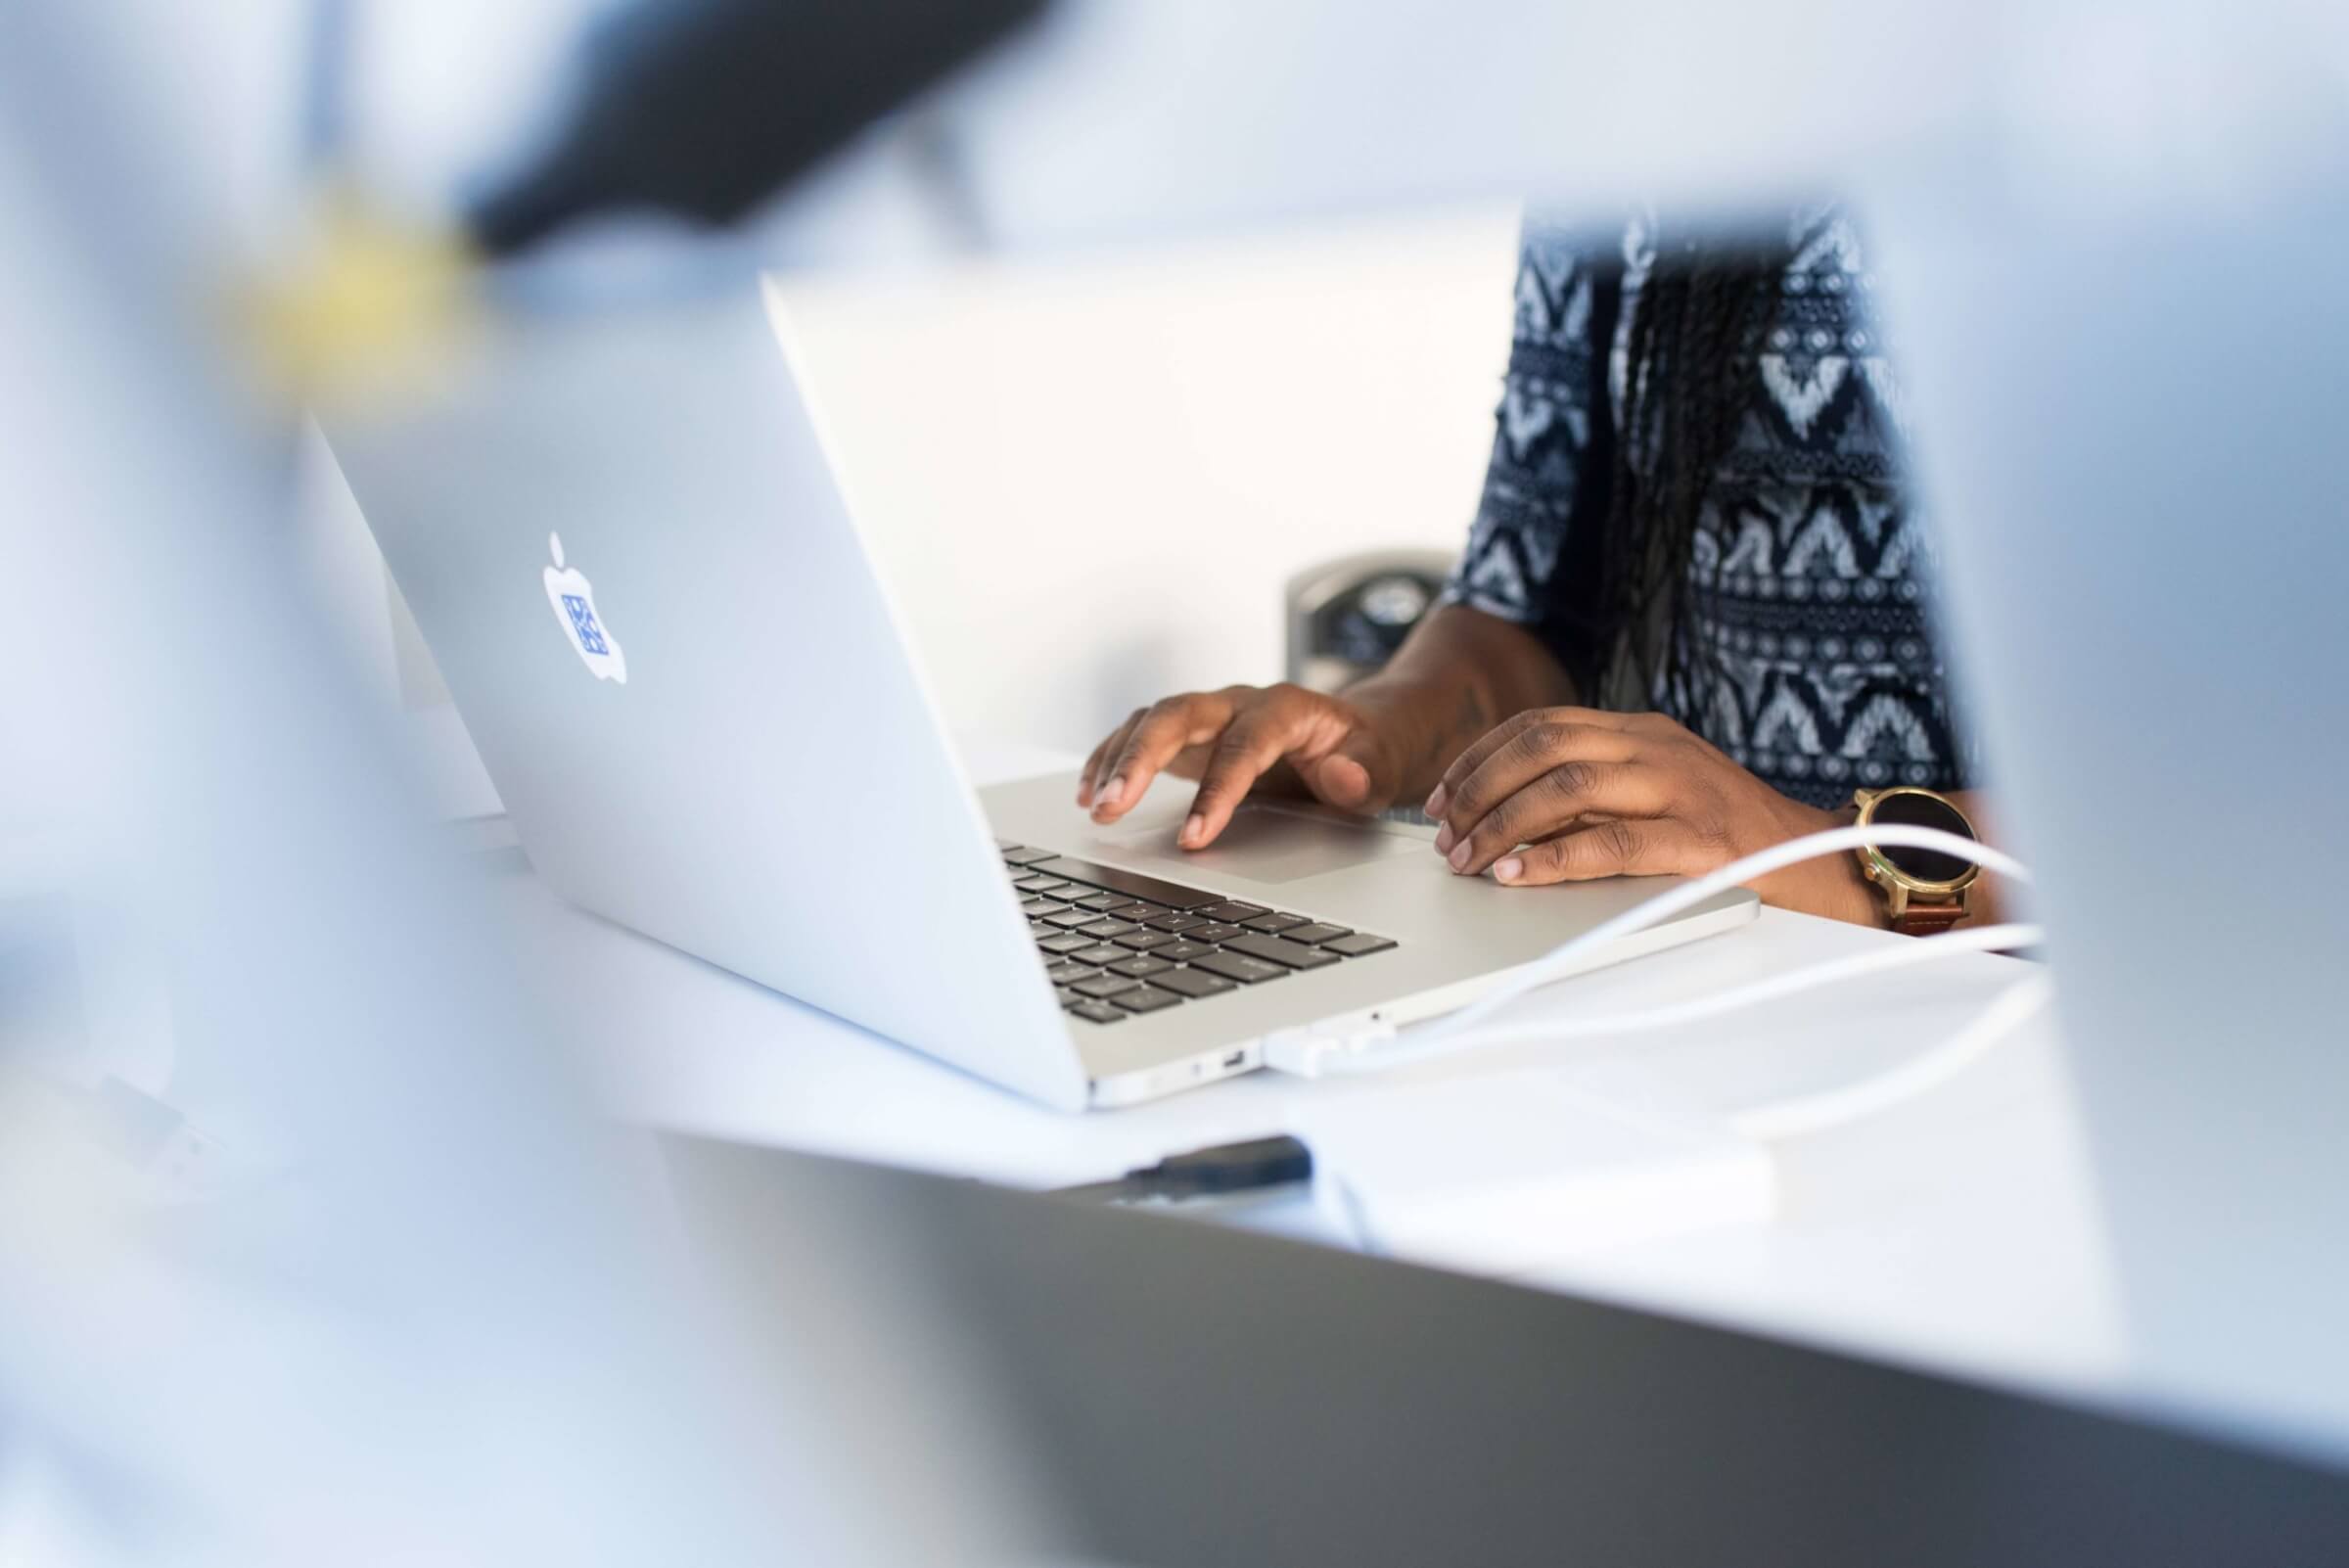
1958	1231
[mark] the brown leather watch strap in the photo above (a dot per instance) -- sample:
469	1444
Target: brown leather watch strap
1928	919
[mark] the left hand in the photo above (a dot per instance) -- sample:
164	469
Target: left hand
1567	794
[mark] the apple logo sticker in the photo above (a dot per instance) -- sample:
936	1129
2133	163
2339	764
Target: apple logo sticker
573	598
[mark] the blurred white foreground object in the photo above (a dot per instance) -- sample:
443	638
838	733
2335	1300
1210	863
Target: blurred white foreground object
1505	1173
451	1324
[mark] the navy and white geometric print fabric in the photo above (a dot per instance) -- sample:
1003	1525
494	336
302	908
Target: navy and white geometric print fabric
1812	660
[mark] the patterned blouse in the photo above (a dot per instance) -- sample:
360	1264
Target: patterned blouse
1812	661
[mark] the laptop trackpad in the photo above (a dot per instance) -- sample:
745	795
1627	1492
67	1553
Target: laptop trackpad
1267	843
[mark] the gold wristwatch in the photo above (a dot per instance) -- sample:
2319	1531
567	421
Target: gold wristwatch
1925	891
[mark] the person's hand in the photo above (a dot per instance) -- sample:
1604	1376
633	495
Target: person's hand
1567	794
1229	740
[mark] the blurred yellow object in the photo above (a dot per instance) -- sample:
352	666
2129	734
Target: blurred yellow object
374	305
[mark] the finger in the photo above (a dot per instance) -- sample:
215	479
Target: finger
1625	846
1510	731
1560	796
1571	827
1343	781
1113	752
1157	737
1473	756
1354	775
1251	743
1096	773
1510	763
1090	778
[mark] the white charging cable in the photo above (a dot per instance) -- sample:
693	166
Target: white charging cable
1421	1047
1316	1050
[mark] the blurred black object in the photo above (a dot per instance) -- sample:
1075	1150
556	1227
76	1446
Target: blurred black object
1346	617
702	108
1225	1170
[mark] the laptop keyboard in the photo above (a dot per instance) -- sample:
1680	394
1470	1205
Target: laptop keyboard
1117	943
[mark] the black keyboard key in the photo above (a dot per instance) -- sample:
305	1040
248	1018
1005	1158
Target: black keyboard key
1068	970
1106	929
1144	999
1038	884
1183	949
1103	986
1098	903
1239	966
1273	924
1141	966
1061	942
1357	944
1035	908
1174	922
1133	884
1315	934
1068	919
1019	854
1233	910
1099	953
1192	981
1098	1012
1214	931
1146	940
1280	950
1137	911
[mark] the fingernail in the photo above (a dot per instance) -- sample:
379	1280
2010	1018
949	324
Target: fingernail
1509	870
1458	858
1191	830
1444	837
1435	802
1114	793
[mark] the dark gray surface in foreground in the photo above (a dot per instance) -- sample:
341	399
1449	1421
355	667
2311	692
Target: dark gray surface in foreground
1201	1396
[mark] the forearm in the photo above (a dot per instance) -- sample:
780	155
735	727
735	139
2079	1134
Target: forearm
1459	673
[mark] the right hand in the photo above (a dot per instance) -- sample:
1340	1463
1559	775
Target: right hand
1230	739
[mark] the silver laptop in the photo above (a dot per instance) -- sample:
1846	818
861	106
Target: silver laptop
624	545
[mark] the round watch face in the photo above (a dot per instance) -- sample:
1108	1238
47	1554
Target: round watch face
1923	810
1394	601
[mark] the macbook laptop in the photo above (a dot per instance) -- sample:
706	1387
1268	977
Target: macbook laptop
621	536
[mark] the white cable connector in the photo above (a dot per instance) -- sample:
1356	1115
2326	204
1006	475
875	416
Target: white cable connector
1353	1045
1325	1050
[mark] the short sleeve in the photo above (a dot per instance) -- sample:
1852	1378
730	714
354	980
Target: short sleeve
1533	553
